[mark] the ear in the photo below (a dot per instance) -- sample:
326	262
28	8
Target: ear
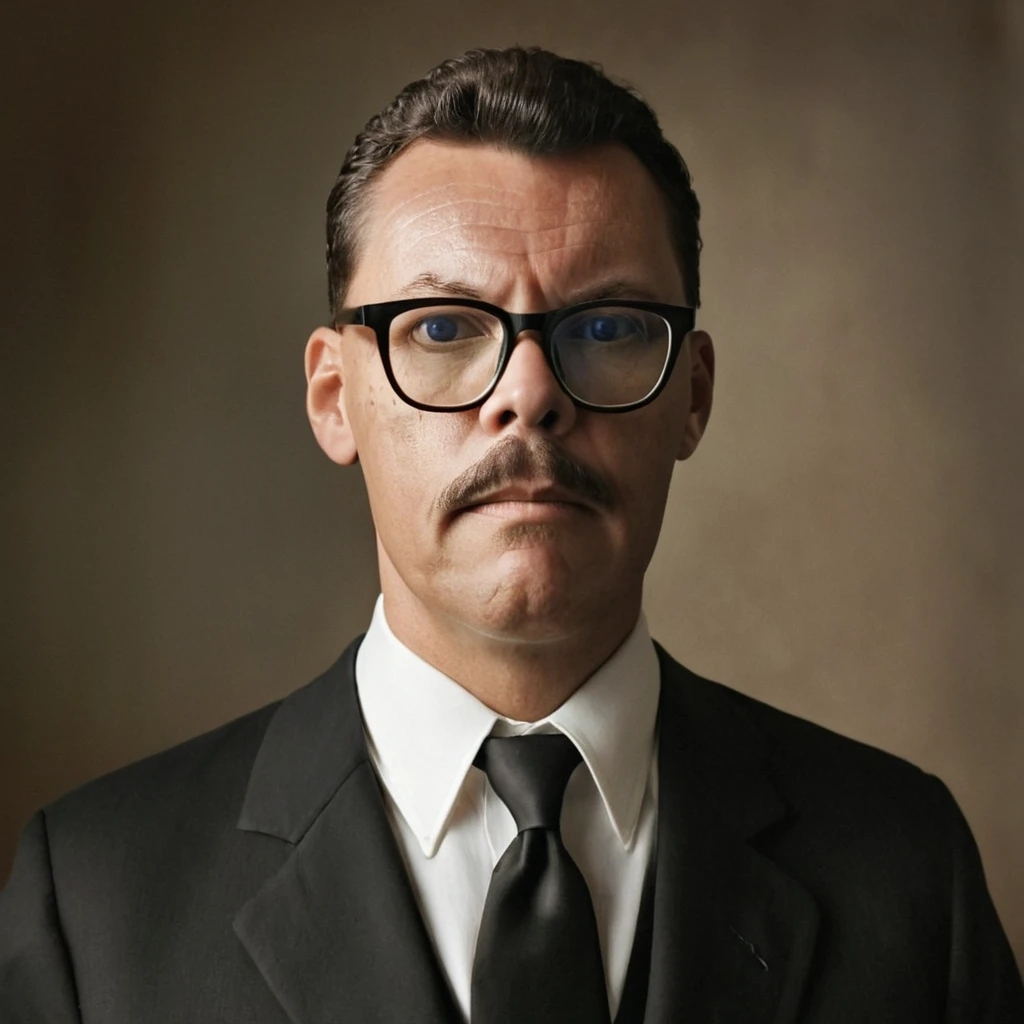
699	355
325	397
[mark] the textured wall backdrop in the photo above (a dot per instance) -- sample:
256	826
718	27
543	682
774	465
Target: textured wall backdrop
845	545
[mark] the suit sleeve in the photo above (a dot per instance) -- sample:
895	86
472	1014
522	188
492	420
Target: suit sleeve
984	980
37	985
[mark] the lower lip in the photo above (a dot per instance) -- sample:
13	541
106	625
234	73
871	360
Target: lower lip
527	511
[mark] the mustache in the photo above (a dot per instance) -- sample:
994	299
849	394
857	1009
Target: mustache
511	460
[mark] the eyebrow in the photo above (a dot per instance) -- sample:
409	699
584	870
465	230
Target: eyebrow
428	284
613	288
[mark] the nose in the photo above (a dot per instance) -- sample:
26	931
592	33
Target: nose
527	395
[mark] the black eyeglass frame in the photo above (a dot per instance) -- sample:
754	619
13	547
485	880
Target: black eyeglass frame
378	316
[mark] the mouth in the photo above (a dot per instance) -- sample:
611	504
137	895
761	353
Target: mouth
514	480
528	504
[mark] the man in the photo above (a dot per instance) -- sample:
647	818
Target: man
505	803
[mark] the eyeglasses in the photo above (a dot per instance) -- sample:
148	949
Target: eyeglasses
447	355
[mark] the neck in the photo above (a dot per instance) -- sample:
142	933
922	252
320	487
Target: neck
519	677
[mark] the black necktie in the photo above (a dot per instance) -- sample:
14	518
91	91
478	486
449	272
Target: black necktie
537	954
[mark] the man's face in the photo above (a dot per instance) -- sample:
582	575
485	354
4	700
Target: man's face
536	557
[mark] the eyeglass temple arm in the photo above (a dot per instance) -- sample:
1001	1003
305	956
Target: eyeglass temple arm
351	315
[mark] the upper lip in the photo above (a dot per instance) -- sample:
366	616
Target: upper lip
524	491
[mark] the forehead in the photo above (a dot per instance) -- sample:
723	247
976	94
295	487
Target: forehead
509	225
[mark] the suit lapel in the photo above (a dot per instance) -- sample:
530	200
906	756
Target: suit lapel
733	934
336	933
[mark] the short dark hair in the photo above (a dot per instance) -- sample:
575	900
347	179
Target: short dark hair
529	101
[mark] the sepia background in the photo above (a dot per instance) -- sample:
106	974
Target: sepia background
847	542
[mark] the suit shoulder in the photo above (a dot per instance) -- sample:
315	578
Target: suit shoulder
813	763
200	777
800	738
853	818
193	794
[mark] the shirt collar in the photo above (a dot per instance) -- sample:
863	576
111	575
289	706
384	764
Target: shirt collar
424	729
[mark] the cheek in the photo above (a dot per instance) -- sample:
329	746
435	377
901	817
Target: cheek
650	465
645	449
640	470
407	457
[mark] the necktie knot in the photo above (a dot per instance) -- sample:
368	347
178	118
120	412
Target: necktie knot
529	774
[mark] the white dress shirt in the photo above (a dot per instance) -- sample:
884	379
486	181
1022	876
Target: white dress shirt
424	730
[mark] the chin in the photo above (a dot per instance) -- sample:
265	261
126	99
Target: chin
531	601
530	583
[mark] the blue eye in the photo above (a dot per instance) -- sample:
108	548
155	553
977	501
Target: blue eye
605	327
441	328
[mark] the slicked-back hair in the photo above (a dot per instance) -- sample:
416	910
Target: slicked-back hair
527	101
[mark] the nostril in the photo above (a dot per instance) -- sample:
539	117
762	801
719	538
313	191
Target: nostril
549	420
506	417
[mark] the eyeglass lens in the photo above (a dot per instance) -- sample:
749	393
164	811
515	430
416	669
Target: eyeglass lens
607	356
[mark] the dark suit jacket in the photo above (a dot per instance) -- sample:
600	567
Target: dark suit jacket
251	875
